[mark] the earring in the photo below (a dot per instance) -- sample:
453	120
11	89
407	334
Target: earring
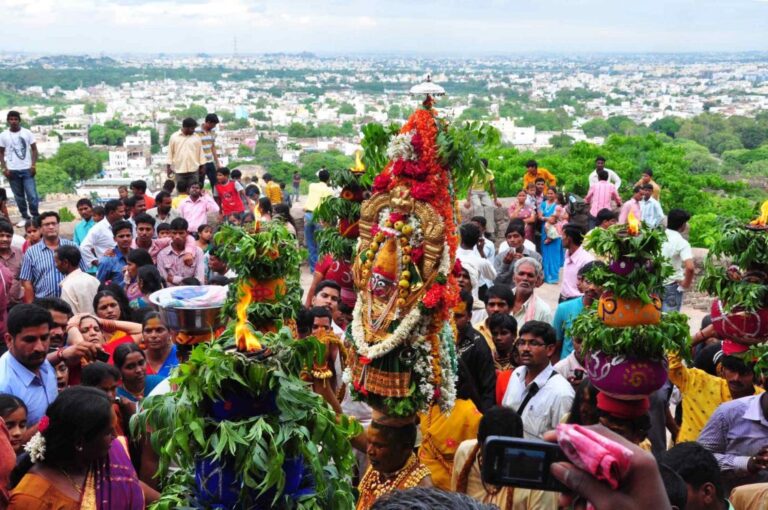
79	448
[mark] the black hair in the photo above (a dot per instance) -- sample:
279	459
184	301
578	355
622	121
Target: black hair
252	189
189	122
422	498
499	421
468	300
49	214
736	364
140	257
324	175
403	437
149	280
6	227
162	195
54	304
163	226
179	224
327	283
202	227
574	416
220	280
470	234
605	215
540	179
284	212
13	114
674	485
319	312
32	222
637	189
503	292
304	321
169	185
182	187
541	330
602	175
574	232
695	464
84	201
648	186
9	403
123	350
265	205
121	225
480	220
98	211
139	184
267	177
130	202
144	218
212	118
94	373
236	174
705	358
515	225
79	414
676	218
116	293
503	321
531	163
648	172
223	171
111	206
599	158
191	280
27	316
70	254
589	266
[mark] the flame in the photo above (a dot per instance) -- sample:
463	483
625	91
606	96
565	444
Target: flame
762	220
246	340
359	166
633	225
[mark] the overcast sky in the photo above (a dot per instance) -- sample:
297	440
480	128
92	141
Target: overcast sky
414	26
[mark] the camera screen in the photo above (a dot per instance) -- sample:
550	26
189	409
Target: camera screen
523	464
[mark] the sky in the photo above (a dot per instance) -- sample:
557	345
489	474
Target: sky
447	27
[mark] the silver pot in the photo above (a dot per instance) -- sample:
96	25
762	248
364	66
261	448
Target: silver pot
189	320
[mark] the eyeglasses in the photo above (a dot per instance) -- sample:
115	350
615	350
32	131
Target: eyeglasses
531	343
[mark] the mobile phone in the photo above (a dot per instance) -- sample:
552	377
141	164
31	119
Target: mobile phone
578	374
517	462
102	356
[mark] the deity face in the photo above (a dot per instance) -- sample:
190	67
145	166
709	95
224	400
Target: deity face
381	286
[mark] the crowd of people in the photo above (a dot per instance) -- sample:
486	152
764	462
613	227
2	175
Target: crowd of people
85	347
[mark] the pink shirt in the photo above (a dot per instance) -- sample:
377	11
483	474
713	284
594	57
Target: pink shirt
630	205
160	243
196	211
600	195
573	262
171	262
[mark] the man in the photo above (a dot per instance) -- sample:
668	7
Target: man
145	230
60	312
699	469
195	208
736	434
575	258
568	310
139	189
475	353
77	288
101	238
632	206
296	181
503	329
500	300
272	189
677	251
321	321
170	260
185	154
600	196
328	295
11	257
208	140
650	207
163	211
39	275
528	306
647	178
468	255
18	158
135	204
85	210
528	246
485	248
111	266
613	177
540	395
480	200
606	218
215	267
504	262
533	173
317	192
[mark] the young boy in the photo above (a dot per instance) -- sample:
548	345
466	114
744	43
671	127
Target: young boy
229	194
182	187
163	230
98	214
236	175
122	192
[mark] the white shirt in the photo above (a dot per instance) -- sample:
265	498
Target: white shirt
547	407
568	365
613	177
541	311
98	240
18	148
78	289
484	267
651	212
529	245
677	250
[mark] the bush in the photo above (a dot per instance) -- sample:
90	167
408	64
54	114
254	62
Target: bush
66	215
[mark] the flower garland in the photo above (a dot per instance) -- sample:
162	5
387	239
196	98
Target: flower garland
35	447
393	340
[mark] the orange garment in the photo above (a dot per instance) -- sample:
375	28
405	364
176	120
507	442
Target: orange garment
273	192
502	380
7	462
549	179
36	493
442	433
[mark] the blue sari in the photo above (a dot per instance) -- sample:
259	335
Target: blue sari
551	253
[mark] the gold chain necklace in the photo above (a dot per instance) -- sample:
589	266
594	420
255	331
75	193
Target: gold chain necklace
78	488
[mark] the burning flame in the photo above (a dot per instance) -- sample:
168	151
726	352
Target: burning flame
762	220
633	224
246	340
359	166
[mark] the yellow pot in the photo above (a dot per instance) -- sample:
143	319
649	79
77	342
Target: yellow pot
617	312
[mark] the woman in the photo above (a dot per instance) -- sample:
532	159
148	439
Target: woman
265	209
84	327
520	210
283	213
78	465
149	280
132	364
160	349
13	411
204	236
135	260
551	246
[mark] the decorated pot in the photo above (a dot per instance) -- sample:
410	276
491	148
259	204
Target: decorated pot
267	290
218	485
349	229
625	377
237	406
739	325
616	312
622	266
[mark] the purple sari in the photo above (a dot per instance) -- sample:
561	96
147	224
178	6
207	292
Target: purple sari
117	486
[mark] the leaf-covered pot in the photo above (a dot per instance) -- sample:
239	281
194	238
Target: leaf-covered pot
625	376
349	229
268	290
237	406
218	485
622	266
739	325
617	312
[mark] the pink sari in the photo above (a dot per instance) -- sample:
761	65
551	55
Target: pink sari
522	212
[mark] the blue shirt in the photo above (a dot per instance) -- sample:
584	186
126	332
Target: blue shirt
38	267
37	391
81	230
111	268
651	211
171	362
565	313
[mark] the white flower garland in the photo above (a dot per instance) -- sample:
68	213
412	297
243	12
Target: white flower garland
400	147
36	448
448	383
394	340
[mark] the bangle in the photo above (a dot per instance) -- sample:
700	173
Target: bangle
108	325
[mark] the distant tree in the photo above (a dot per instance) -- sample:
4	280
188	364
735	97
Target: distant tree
170	128
596	127
46	120
394	112
225	116
667	125
347	109
194	110
260	115
753	136
77	161
282	171
243	151
265	153
97	107
52	179
560	141
311	162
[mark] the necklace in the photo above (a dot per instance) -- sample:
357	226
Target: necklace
19	146
75	486
372	487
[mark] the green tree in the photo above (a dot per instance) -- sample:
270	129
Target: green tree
596	127
195	111
52	179
265	153
560	141
311	162
97	107
243	151
347	109
77	161
260	115
667	125
394	112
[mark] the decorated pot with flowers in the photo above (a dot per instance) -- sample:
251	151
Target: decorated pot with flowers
618	312
627	377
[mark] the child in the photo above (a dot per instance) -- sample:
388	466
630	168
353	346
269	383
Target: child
122	192
230	194
14	412
236	175
98	214
32	233
234	220
204	235
182	189
163	230
286	196
62	375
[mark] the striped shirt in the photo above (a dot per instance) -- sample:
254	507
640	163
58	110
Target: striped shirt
208	138
600	195
38	267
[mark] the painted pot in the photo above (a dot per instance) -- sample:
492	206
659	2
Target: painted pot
739	325
625	377
237	406
349	229
268	290
217	483
616	312
622	266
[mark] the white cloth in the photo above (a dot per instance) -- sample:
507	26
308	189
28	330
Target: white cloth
98	240
528	245
78	289
541	311
547	407
677	250
484	267
613	177
18	148
568	365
